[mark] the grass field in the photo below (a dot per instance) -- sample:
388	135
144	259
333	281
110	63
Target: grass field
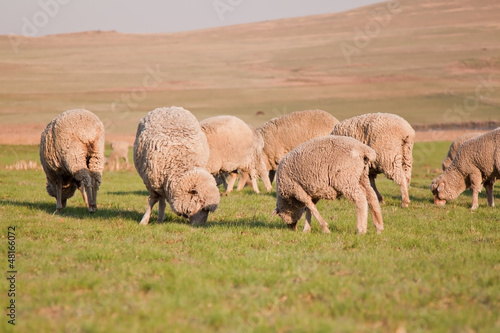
432	269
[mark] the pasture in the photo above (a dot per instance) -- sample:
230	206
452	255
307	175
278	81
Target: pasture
433	269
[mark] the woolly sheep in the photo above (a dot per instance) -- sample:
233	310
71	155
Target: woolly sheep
170	155
72	156
234	145
452	152
282	134
325	168
119	151
392	138
477	163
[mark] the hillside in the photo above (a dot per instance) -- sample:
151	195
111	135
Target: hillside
428	61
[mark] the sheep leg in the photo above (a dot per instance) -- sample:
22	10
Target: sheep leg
380	198
489	192
255	187
405	198
161	209
359	199
153	199
272	173
264	175
312	207
232	179
307	225
84	196
475	180
59	203
373	205
243	180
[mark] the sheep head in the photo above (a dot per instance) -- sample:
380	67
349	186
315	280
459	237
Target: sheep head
447	186
195	196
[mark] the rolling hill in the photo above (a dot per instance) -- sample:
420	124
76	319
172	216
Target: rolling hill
428	61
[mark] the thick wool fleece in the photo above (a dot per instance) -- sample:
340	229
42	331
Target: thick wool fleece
325	168
235	145
72	156
392	138
477	162
283	134
170	154
455	145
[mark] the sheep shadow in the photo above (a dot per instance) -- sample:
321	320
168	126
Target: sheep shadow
76	212
245	223
141	193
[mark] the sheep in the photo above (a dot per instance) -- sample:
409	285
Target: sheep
234	145
325	168
392	138
282	134
170	155
119	151
452	152
477	162
72	156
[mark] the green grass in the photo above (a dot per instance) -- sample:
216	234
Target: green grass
432	269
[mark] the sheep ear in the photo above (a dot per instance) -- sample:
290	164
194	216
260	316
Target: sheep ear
440	187
274	213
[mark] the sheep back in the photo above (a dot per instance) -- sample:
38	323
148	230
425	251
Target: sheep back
233	144
283	134
391	136
168	142
455	145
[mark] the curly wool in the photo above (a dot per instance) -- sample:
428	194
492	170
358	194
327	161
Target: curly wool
282	134
170	155
392	138
234	145
325	168
455	145
72	156
477	162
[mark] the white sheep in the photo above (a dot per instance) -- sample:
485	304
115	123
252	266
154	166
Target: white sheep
477	162
455	145
326	168
119	150
72	156
282	134
234	145
170	155
392	138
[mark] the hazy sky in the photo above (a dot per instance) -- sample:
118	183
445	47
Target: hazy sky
42	17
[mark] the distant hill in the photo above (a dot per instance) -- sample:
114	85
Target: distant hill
428	61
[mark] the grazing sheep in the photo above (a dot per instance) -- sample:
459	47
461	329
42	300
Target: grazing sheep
283	134
170	154
392	139
119	151
325	168
454	148
477	163
72	156
234	145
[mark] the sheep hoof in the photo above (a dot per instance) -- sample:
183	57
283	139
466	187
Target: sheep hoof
404	205
326	231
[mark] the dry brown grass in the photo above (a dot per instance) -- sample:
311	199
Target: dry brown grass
428	60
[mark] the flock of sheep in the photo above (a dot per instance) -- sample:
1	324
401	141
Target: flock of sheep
311	154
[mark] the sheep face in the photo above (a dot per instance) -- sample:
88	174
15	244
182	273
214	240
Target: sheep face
197	198
443	190
289	212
